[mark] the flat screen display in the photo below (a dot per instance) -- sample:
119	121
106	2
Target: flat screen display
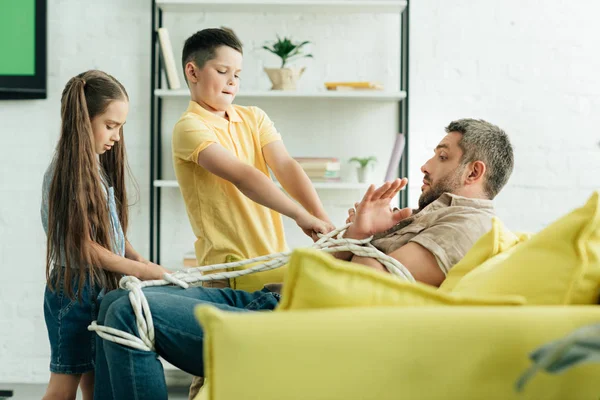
22	49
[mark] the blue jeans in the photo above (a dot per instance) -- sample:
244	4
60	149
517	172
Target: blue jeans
126	373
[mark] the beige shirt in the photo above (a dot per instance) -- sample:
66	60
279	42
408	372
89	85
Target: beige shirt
448	228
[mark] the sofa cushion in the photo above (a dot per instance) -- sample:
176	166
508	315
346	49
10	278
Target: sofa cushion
317	280
495	242
559	265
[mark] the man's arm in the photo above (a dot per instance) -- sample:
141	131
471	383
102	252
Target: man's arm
256	186
293	179
419	261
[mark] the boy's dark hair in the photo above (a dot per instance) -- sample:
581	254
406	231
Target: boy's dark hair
201	46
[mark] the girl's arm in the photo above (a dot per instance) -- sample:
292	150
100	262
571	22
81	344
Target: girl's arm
256	186
293	179
115	263
132	254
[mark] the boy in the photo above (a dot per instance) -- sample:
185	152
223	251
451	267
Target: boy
221	155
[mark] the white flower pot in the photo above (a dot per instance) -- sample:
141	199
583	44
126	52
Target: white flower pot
284	78
364	174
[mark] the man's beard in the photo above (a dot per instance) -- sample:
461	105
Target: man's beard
447	184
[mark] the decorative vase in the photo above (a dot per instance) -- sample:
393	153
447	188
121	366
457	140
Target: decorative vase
284	78
364	174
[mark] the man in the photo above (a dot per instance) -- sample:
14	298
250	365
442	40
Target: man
469	168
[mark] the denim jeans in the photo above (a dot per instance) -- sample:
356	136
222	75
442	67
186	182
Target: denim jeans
126	373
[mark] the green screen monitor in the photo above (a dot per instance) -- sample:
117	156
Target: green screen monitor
22	49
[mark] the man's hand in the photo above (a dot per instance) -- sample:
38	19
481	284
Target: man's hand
373	214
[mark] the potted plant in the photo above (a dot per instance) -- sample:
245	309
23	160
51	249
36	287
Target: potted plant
285	78
363	167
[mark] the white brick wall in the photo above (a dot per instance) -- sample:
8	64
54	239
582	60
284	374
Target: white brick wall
113	36
528	66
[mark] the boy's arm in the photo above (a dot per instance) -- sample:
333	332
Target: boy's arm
256	186
293	179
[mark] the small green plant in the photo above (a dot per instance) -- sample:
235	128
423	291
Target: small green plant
364	161
287	50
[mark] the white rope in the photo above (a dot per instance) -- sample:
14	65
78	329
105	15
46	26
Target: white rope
333	242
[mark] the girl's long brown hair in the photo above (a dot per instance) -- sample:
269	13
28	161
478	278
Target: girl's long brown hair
78	209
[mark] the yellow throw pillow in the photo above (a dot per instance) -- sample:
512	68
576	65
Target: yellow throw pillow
494	242
559	265
317	280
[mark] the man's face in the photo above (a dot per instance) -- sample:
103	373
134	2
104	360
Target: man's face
443	172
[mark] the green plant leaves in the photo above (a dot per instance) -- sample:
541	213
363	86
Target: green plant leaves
287	50
363	161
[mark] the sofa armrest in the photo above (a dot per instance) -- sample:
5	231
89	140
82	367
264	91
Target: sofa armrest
390	353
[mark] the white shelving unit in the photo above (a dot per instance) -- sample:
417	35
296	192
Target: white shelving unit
285	6
318	185
335	7
362	95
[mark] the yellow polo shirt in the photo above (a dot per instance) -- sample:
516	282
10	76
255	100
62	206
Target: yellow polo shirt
228	225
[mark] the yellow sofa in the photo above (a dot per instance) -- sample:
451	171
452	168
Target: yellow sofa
383	353
345	332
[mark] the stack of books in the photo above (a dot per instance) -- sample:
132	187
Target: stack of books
320	169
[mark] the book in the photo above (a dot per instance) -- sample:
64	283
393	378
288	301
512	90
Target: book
168	60
397	150
364	85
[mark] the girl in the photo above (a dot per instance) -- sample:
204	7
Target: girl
84	213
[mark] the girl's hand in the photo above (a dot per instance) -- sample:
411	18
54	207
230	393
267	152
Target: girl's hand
151	271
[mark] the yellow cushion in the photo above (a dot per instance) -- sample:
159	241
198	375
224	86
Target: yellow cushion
559	265
390	353
494	242
317	280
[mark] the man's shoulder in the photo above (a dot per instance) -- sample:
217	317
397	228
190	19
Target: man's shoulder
458	210
456	201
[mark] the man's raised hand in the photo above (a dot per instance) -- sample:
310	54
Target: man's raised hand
373	214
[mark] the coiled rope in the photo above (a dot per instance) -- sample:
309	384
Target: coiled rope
333	242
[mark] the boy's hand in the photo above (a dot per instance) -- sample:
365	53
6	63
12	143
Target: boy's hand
312	225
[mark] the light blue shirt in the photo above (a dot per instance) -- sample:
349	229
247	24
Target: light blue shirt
118	245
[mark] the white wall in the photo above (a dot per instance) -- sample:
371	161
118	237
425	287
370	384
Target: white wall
113	36
528	66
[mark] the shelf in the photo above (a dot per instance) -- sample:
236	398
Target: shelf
317	185
291	6
288	94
